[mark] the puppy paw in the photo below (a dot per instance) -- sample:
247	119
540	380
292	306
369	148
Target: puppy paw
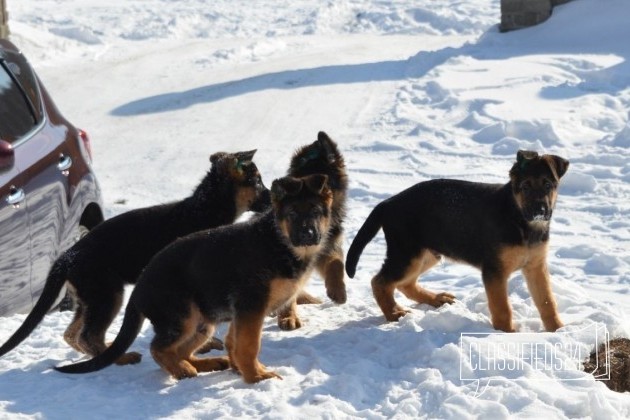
335	286
261	376
396	314
210	364
289	323
183	371
212	344
337	295
305	298
130	358
444	297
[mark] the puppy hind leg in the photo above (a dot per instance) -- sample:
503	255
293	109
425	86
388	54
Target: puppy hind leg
172	338
409	285
288	319
383	291
97	317
72	333
213	343
230	345
200	338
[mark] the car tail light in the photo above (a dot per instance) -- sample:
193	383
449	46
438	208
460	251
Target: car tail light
86	143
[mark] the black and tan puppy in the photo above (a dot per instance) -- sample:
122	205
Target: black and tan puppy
238	273
496	228
114	253
323	157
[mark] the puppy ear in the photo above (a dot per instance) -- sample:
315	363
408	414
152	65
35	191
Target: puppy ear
277	191
327	145
560	165
523	156
245	157
316	183
287	185
215	157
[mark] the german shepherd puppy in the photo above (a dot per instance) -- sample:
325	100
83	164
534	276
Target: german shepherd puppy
323	157
497	228
114	253
237	273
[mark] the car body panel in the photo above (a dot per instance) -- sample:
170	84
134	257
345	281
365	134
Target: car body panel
52	169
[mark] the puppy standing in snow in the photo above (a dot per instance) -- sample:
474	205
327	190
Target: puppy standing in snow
497	228
238	273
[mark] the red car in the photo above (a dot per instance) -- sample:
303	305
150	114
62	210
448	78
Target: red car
49	195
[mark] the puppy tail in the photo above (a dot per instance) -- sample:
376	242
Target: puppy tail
54	283
365	234
132	323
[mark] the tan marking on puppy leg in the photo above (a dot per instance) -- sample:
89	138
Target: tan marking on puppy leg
384	295
539	284
500	310
409	284
175	357
247	333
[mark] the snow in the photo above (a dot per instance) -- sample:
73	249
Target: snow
411	91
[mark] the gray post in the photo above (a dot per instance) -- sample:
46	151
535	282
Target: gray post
4	20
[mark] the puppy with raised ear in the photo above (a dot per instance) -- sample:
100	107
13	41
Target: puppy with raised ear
97	268
497	228
323	157
238	273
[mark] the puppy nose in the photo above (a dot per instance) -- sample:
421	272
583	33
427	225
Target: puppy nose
307	234
540	212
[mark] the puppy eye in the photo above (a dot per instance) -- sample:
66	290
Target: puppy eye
548	186
526	186
292	215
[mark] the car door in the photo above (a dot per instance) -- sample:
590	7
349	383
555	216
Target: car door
45	161
15	265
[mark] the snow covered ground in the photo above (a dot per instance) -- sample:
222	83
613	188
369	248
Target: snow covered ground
411	91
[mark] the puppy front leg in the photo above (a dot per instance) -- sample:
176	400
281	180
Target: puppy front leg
498	303
247	342
331	268
539	285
